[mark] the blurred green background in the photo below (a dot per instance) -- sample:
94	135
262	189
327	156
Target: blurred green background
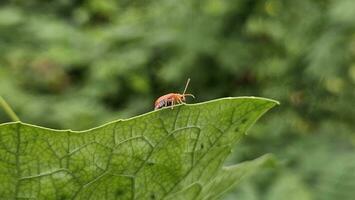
80	63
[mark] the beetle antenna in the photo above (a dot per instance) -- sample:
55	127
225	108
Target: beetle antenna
187	84
191	95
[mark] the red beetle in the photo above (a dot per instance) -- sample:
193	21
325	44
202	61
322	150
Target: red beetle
172	99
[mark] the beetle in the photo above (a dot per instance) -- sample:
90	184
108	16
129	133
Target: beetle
172	99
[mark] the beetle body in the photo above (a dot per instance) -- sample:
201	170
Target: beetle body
172	99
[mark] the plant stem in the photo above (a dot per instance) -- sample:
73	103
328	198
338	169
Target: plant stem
8	110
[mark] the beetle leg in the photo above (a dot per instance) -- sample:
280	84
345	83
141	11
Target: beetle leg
180	101
172	104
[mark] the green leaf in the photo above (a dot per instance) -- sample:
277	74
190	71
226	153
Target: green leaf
231	175
157	155
191	192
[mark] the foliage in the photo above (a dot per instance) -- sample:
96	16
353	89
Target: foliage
100	60
166	154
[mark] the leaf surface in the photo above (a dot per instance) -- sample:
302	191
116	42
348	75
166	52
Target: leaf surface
165	153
